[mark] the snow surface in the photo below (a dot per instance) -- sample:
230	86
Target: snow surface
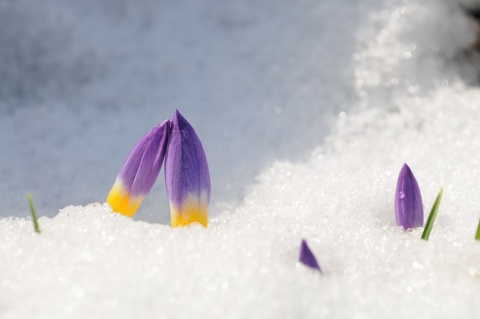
307	113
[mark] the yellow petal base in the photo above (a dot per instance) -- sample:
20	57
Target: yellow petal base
181	219
121	202
193	210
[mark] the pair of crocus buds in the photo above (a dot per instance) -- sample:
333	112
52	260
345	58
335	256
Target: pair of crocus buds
408	200
187	178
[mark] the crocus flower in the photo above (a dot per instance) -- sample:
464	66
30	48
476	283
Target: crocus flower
186	175
140	171
408	201
306	256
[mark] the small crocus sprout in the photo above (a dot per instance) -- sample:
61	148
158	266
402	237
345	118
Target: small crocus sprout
306	256
139	171
432	215
187	177
477	235
36	226
408	200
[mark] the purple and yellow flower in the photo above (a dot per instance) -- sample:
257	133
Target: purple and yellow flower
307	258
140	170
408	200
187	177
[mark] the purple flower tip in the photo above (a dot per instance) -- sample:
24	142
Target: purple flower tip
408	200
306	256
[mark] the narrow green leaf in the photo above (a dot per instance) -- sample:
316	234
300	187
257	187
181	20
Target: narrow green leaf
432	215
477	236
36	227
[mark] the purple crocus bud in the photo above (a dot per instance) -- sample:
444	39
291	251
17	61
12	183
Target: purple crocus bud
306	256
408	201
140	171
186	175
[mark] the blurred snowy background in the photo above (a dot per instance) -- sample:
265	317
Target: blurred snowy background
307	110
81	81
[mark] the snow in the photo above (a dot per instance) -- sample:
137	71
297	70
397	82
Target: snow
306	112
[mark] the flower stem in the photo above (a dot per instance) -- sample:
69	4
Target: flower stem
432	215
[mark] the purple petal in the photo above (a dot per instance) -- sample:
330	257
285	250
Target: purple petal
187	177
408	200
151	160
306	256
140	170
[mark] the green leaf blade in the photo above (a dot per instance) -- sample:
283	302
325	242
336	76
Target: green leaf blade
36	226
432	215
477	236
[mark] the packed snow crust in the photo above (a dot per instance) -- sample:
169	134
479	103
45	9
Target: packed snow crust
395	82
